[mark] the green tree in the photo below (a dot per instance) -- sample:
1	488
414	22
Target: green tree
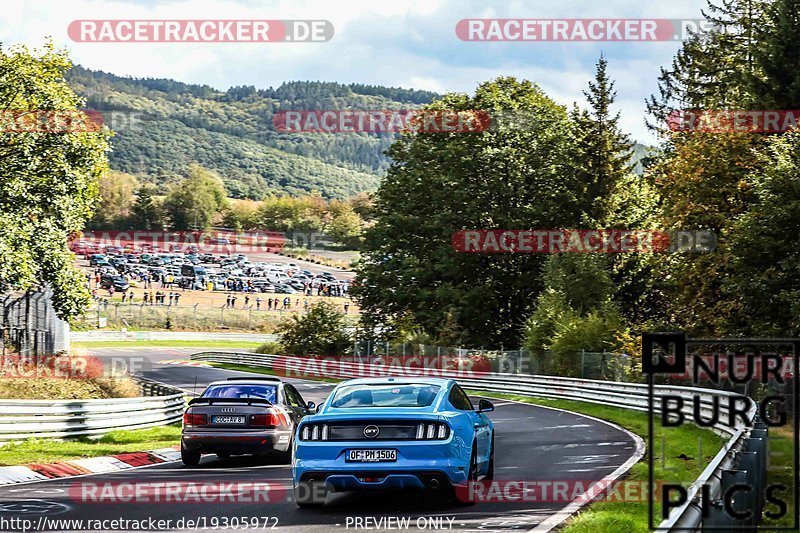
194	202
345	225
147	212
48	181
705	184
765	258
510	178
776	80
117	197
602	155
711	67
575	312
284	213
321	331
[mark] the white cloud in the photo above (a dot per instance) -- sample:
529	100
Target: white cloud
411	44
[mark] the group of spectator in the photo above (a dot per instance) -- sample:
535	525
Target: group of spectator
150	298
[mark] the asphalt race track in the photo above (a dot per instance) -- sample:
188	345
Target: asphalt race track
533	444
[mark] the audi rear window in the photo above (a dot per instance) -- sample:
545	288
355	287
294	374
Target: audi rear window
263	392
392	395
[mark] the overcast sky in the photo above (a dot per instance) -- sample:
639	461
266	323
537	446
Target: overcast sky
400	43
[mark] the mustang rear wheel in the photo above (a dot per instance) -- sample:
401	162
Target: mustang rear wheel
473	465
490	469
463	498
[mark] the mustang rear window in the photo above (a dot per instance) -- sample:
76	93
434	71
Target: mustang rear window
401	395
264	392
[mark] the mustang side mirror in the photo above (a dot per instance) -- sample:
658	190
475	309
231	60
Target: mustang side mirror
485	406
311	406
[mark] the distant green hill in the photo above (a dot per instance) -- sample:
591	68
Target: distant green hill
232	133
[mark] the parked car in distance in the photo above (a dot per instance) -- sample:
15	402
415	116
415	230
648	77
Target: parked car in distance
257	283
118	282
282	288
94	258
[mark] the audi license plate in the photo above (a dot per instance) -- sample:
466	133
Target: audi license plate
227	420
372	456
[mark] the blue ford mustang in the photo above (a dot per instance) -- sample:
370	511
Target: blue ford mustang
392	433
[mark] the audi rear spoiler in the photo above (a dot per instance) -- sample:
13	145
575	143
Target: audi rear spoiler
211	401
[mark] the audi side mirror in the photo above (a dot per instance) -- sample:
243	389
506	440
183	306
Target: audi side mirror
485	406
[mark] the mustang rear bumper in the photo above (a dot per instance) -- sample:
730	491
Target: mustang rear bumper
417	481
417	464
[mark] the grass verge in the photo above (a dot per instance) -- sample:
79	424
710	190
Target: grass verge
242	345
49	451
684	452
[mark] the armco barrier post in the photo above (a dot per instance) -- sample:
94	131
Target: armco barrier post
749	462
729	479
758	446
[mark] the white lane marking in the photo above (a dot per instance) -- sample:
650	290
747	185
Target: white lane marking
556	519
572	445
568	426
34	507
583	459
183	362
38	491
590	469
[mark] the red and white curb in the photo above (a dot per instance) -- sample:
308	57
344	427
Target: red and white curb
81	467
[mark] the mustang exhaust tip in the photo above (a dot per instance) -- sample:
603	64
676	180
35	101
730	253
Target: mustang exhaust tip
434	483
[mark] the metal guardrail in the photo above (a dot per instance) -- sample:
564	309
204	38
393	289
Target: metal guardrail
23	419
743	457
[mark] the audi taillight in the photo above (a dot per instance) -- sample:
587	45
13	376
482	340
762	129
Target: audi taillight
192	419
268	420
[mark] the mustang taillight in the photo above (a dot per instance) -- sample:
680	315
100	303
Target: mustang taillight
269	420
314	432
432	431
191	419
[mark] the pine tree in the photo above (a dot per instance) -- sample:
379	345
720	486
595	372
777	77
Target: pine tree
145	213
777	56
712	66
603	152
